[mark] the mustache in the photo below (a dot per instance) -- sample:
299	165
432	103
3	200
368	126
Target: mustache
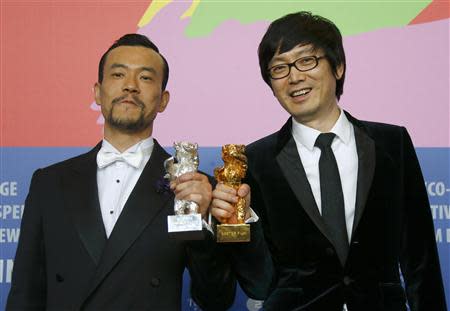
136	99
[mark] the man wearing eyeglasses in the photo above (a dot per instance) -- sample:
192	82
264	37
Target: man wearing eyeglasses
342	201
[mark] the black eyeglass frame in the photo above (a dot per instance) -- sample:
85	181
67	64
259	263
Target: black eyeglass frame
290	65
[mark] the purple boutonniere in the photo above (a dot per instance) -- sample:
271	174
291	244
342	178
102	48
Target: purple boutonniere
162	185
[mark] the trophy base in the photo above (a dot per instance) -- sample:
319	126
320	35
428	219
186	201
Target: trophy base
185	227
232	233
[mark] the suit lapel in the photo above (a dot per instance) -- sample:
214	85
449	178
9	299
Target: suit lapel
291	165
81	197
143	205
365	147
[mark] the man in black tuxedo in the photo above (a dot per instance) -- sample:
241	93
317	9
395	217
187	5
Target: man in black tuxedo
94	231
342	201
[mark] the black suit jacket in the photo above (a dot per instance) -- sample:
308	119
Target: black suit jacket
65	262
392	227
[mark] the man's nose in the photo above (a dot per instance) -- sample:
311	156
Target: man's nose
131	85
296	75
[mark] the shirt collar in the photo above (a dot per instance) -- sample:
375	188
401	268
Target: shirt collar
145	145
307	135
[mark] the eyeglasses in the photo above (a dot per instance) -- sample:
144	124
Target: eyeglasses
302	64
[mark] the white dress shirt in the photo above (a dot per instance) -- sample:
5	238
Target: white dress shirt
116	181
344	149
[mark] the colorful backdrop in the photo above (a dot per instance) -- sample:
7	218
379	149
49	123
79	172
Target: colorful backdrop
398	72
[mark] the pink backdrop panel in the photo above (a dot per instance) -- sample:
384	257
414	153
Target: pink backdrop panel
395	75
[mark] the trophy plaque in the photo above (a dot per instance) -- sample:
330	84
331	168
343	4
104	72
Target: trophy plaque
186	223
231	174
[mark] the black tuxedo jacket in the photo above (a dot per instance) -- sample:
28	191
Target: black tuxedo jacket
392	227
65	262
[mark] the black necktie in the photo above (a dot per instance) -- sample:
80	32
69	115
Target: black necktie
333	212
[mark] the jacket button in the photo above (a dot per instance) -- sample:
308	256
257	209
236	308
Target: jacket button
154	282
59	278
329	251
347	280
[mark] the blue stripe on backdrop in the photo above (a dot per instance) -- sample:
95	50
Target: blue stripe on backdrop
435	163
18	164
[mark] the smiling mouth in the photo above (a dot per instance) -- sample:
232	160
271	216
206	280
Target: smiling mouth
301	92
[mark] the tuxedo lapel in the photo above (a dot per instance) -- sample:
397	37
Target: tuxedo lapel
143	205
291	165
81	198
365	147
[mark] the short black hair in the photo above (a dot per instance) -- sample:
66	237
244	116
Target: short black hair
303	28
134	39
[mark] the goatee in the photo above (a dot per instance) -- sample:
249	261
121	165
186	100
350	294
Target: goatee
127	125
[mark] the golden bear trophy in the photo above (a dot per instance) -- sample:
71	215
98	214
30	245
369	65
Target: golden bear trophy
231	174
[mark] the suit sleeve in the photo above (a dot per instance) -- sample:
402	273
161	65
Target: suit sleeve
28	286
215	267
419	257
251	262
213	285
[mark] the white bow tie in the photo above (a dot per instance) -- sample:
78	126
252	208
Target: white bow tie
105	158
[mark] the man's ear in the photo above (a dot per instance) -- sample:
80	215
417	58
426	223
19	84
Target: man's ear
97	93
339	71
165	97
